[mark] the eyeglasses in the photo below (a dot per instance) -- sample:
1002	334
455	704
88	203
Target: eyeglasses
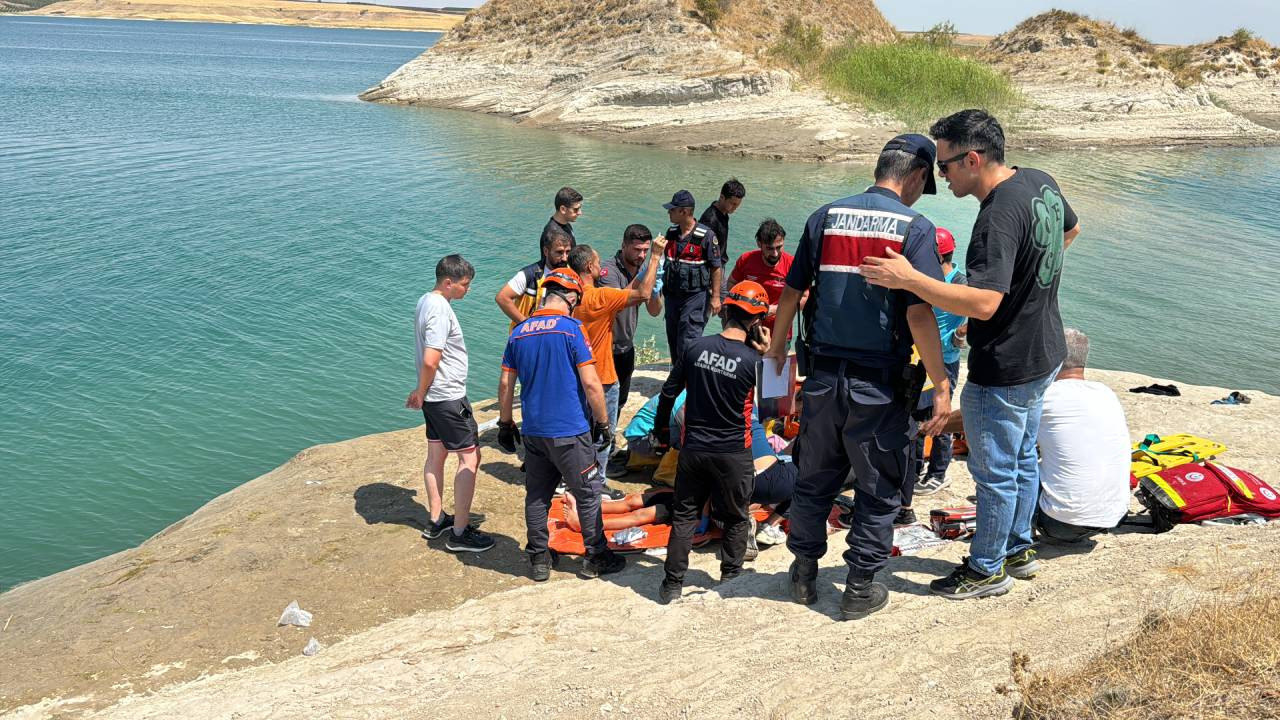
942	164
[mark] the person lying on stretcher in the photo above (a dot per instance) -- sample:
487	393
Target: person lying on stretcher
774	486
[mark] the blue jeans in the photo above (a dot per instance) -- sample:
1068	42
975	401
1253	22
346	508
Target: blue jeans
1002	424
611	404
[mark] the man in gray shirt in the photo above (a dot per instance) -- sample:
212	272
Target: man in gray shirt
442	394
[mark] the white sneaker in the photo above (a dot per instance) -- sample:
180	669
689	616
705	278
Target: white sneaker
771	535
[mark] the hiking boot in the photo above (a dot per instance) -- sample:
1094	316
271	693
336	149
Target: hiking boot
471	540
862	596
804	581
930	484
964	582
1023	565
437	528
542	563
727	576
906	516
753	550
668	591
602	563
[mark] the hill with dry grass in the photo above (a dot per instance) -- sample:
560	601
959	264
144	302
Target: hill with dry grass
708	75
680	74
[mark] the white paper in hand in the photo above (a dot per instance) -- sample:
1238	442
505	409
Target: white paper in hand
775	384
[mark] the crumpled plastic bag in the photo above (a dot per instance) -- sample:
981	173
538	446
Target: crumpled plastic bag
294	615
312	647
628	536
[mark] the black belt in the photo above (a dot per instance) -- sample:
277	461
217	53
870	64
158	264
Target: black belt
850	369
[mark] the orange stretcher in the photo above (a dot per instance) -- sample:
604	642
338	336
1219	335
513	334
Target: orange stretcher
567	541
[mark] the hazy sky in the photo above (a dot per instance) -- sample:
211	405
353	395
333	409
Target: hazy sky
1168	21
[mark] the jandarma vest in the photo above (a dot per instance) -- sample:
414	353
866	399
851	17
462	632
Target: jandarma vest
686	269
850	313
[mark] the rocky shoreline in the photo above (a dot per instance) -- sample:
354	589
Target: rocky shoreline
627	73
189	616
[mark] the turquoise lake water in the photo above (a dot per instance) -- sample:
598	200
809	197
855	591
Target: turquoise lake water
210	253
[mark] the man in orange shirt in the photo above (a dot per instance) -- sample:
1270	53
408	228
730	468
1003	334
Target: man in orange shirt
599	306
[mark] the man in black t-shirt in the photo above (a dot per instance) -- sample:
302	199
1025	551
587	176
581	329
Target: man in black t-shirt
568	205
1014	264
719	372
716	216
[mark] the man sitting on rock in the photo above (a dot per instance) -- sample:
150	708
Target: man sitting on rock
1084	453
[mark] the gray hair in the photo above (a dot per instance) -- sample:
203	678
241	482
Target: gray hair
1077	349
898	165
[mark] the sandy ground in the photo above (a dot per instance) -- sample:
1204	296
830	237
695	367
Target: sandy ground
279	12
411	631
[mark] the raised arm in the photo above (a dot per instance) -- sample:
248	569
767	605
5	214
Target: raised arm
641	288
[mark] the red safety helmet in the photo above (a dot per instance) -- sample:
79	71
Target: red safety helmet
750	296
563	278
946	241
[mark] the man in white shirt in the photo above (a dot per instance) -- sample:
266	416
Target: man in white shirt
442	394
1084	453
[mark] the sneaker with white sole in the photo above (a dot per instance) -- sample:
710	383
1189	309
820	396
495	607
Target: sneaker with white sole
771	535
1022	565
436	528
930	484
964	582
471	540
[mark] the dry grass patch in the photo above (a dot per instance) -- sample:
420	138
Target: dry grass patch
1221	659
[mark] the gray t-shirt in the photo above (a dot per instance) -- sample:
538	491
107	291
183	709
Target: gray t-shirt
437	327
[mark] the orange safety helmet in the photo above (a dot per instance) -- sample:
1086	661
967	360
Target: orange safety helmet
750	296
565	279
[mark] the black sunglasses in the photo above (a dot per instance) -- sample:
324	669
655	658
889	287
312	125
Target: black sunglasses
942	164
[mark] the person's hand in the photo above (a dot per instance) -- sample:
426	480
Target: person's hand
601	436
761	344
508	435
658	245
777	351
660	440
716	303
415	399
936	424
892	271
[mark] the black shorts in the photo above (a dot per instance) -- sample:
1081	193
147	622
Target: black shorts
776	484
451	423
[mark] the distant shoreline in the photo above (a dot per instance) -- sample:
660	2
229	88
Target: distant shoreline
284	13
225	22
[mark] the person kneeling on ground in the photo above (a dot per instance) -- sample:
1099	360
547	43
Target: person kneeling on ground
1084	452
549	354
716	462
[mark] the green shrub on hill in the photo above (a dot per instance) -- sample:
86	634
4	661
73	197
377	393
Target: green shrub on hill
917	82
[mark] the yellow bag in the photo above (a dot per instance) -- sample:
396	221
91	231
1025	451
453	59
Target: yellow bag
666	472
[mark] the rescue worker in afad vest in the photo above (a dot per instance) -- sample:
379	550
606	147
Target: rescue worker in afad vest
860	387
692	274
565	423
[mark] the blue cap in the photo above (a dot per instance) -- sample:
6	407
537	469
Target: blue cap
682	199
923	148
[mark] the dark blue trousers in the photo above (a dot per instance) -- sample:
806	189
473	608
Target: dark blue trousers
686	317
847	425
